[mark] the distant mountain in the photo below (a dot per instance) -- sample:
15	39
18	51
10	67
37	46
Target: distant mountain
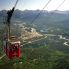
46	18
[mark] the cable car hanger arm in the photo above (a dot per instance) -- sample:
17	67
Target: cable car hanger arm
10	12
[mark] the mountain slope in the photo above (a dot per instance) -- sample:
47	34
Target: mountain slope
52	18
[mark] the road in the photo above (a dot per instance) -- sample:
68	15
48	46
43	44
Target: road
45	35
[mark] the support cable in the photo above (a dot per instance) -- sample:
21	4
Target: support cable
44	8
40	11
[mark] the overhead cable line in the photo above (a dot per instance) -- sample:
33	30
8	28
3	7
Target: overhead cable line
60	5
16	3
44	8
40	11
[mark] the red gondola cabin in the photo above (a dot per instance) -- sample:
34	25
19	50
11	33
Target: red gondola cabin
12	48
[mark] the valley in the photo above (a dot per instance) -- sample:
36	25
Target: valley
44	44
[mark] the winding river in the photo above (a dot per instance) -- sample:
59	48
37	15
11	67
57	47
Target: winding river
60	37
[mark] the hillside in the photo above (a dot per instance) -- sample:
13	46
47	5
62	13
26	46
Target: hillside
46	18
44	43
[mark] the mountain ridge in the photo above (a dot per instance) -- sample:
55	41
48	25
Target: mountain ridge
46	18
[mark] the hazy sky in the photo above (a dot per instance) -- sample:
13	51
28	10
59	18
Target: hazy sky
34	4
